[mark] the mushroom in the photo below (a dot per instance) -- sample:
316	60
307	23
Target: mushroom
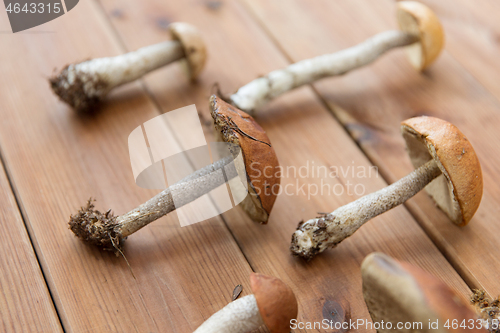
421	32
397	293
272	304
245	135
445	162
84	84
262	166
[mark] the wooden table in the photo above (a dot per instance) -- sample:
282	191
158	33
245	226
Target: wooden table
54	160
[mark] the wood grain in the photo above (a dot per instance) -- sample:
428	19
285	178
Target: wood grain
302	131
372	101
58	160
25	302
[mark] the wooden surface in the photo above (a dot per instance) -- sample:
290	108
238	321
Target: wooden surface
372	102
56	160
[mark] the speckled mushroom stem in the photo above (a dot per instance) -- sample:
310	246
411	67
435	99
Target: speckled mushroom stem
316	235
82	85
239	316
187	190
108	231
260	91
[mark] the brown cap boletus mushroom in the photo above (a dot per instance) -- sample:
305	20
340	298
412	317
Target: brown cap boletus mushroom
272	304
421	32
246	137
83	85
445	162
397	293
262	166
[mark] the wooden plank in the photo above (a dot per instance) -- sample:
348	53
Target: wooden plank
25	302
58	160
371	102
239	51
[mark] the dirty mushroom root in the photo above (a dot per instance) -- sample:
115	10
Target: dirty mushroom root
488	310
84	84
272	304
420	31
246	137
446	165
108	231
397	292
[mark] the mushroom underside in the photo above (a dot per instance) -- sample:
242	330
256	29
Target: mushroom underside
414	51
397	292
416	18
440	189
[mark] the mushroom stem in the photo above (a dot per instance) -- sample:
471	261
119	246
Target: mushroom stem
82	85
108	231
239	316
260	91
316	235
187	190
488	310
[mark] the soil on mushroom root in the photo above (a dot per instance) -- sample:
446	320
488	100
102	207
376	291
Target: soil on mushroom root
75	93
488	309
95	227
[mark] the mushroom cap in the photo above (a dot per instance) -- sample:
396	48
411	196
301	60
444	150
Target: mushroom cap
399	292
459	189
192	43
416	18
261	162
276	301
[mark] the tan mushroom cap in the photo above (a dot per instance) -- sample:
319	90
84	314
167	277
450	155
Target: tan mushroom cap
398	292
192	43
261	162
276	301
459	189
416	18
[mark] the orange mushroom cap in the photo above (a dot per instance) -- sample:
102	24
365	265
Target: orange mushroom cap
276	301
416	18
261	162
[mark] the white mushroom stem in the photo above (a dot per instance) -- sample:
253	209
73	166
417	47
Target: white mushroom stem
260	91
185	191
108	231
239	316
316	235
82	85
131	66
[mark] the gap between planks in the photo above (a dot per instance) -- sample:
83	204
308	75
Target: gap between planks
471	283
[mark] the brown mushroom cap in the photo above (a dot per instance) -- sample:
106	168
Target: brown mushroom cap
398	292
276	301
193	45
416	18
261	162
459	189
